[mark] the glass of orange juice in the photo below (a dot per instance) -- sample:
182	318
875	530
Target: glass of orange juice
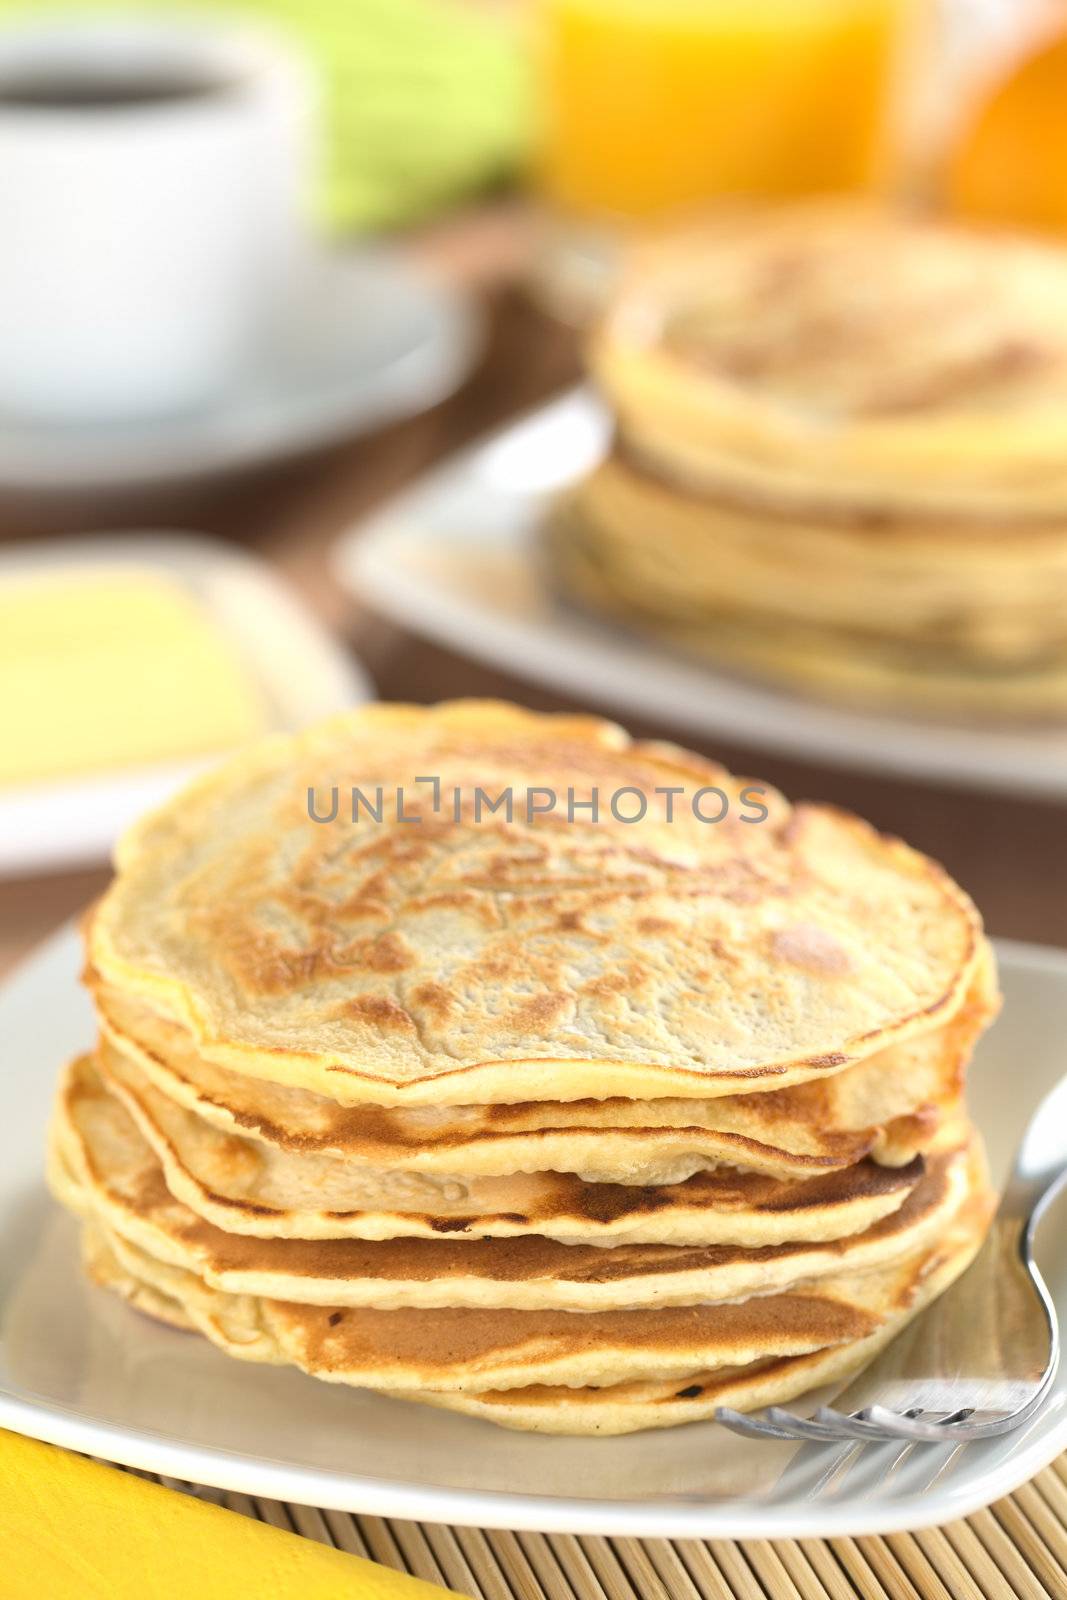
653	108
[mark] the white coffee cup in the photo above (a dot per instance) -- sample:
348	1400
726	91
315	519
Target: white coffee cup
152	177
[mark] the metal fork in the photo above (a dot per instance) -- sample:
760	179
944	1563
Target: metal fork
979	1360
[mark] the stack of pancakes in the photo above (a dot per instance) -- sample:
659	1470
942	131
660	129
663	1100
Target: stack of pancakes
574	1123
841	458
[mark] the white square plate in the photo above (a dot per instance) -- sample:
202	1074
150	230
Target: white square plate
455	558
79	1368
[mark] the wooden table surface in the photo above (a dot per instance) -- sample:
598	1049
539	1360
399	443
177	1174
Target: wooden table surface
1010	853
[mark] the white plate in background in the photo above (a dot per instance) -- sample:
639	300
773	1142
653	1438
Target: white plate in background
80	1368
303	673
367	341
453	559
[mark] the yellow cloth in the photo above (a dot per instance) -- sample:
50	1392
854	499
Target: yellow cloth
73	1530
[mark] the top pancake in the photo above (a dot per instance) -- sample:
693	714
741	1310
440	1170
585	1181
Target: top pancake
839	353
486	961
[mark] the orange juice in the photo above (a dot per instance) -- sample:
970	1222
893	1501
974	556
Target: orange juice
652	106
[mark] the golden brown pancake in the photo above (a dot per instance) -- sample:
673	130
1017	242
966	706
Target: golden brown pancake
884	1107
632	1407
1017	678
839	464
750	1349
473	1349
465	962
993	596
578	1124
103	1267
839	353
103	1169
249	1188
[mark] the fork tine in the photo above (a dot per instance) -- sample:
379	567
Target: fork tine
803	1427
858	1426
749	1427
778	1423
927	1426
872	1425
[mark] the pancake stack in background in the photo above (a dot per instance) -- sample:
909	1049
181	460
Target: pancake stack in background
841	458
577	1124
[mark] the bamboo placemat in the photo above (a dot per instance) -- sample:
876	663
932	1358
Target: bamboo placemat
1015	1550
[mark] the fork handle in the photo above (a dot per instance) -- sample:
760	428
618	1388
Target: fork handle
1040	1164
1028	1194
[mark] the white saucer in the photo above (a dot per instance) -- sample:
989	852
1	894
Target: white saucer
79	1368
366	341
454	559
